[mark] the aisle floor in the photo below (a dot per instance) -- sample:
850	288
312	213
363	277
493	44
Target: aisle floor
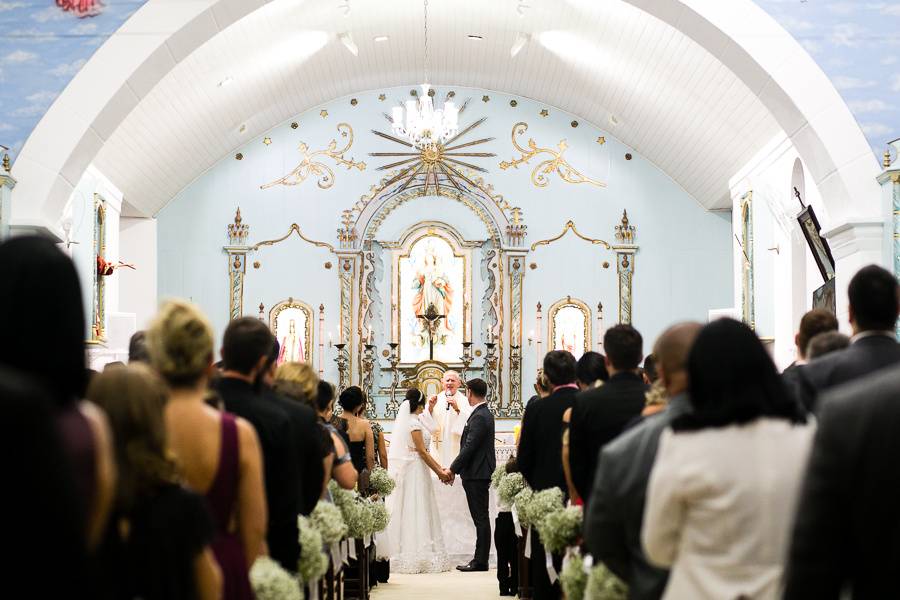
441	586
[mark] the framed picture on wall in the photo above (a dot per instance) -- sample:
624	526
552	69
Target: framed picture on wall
821	252
825	297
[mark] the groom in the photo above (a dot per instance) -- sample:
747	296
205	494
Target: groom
475	464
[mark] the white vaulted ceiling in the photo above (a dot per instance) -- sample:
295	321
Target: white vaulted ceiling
675	103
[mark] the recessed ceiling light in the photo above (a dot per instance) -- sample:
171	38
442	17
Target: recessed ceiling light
472	36
226	81
381	38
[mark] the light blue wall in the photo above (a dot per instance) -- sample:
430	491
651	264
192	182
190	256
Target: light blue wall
683	267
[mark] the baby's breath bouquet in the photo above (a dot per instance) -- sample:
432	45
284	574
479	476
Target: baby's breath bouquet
509	487
522	501
540	505
271	582
379	516
602	584
312	563
380	482
573	577
338	494
498	475
327	519
359	518
561	528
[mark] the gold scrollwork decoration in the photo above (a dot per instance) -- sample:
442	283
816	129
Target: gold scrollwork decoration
557	163
570	226
310	166
294	229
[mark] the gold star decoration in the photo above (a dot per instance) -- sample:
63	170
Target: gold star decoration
382	97
601	140
323	113
354	102
295	125
267	140
545	112
485	98
513	103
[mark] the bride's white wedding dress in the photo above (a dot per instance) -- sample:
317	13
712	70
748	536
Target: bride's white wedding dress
413	540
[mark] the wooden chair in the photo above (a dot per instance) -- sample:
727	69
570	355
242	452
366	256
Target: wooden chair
525	591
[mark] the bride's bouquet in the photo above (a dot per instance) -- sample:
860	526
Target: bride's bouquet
380	482
271	582
327	519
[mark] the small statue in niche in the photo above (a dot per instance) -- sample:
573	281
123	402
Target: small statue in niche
105	268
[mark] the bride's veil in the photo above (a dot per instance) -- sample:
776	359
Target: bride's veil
399	449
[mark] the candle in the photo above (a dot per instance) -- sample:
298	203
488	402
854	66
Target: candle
330	339
321	339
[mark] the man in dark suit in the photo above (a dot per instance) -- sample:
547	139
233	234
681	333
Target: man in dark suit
599	415
814	322
246	347
305	435
475	464
846	534
540	451
616	513
873	294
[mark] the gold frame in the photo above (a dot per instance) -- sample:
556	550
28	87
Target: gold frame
98	289
307	334
551	321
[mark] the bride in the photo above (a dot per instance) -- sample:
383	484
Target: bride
413	540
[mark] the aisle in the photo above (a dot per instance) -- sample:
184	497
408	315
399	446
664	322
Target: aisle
452	585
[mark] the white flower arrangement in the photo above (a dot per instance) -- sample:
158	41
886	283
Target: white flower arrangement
602	584
521	502
498	475
380	482
539	506
328	520
509	487
379	516
560	528
313	562
271	582
573	578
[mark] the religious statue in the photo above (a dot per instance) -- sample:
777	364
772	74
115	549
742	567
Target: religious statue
432	288
291	346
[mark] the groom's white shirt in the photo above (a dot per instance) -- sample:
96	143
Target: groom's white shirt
451	425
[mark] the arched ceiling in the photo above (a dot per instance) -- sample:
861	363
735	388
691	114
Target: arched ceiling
671	100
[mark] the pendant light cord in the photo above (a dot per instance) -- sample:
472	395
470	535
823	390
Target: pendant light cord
426	42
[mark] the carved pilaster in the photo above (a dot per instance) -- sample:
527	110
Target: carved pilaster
625	250
516	270
347	266
237	250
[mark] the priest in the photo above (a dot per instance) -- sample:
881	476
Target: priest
449	410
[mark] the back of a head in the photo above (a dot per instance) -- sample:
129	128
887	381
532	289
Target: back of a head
732	380
351	399
297	380
674	346
874	297
478	387
826	343
814	322
134	399
649	368
245	342
559	367
180	343
42	282
324	395
624	347
590	368
137	348
415	399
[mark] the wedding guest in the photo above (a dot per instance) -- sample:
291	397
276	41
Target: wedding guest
304	431
42	501
649	369
246	348
217	453
356	429
845	542
41	280
591	370
826	343
137	348
814	322
506	543
613	520
542	388
874	298
158	542
721	497
600	415
540	452
341	467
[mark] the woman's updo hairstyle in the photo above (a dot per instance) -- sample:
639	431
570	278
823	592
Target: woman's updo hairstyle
416	398
324	395
180	343
351	399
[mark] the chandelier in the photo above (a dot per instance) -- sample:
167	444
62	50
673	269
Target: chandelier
419	122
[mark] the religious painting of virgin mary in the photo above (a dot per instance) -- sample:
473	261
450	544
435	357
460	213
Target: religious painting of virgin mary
291	322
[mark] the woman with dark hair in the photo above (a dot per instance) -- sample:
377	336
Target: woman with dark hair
721	497
356	429
413	540
337	461
159	539
42	319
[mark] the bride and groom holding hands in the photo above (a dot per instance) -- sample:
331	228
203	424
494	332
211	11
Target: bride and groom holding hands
414	539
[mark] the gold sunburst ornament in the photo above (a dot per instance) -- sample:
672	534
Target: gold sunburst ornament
437	165
557	163
309	165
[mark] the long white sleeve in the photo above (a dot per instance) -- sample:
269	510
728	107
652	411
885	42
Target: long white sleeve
665	509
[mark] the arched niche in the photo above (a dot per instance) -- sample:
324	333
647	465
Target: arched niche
291	321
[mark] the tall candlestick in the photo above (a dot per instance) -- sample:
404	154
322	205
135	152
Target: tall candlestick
539	357
321	340
600	327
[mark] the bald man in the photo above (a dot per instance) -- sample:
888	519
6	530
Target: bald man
616	511
450	410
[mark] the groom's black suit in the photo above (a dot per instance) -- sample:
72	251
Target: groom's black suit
475	464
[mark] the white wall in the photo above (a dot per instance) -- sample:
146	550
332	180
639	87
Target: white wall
137	289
